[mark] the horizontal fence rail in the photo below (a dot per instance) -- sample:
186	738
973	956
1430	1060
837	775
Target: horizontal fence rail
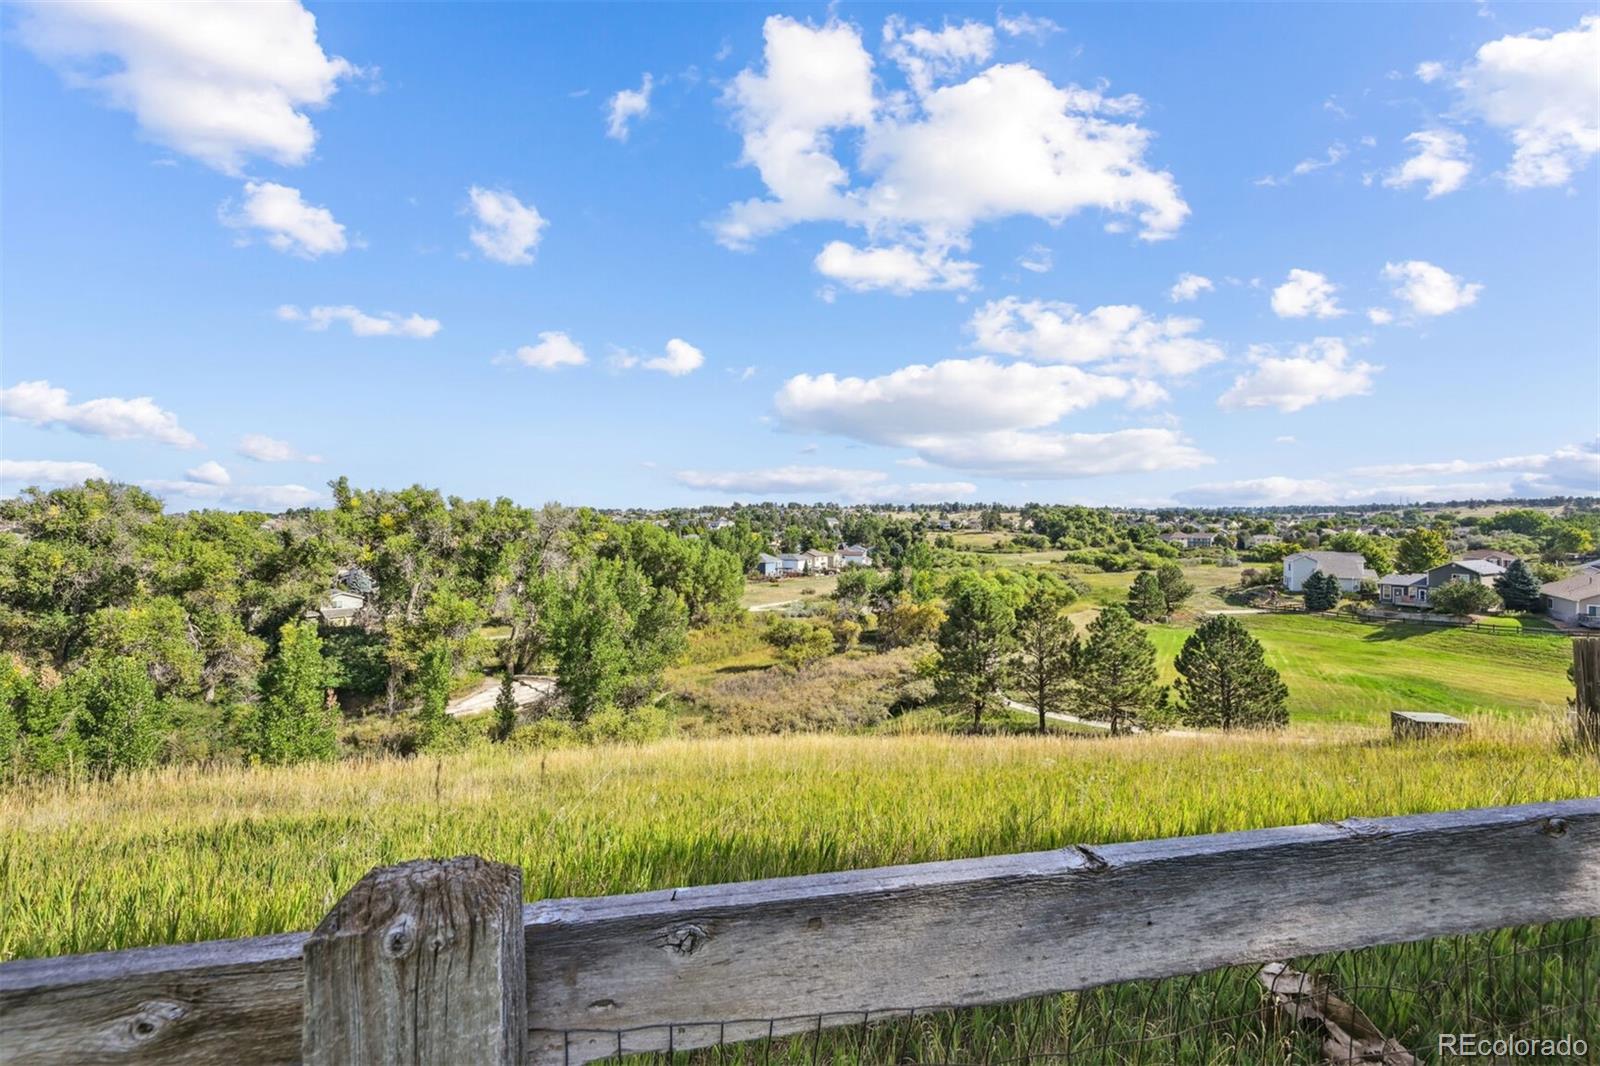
685	968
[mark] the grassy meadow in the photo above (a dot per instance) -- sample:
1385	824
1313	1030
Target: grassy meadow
192	854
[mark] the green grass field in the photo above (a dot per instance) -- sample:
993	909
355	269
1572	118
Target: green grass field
1343	672
759	592
180	855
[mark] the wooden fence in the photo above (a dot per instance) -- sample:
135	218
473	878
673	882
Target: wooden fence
440	961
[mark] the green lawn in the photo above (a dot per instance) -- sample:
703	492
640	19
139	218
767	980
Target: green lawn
1342	672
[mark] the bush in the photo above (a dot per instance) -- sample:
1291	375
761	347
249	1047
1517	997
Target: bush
1464	598
613	725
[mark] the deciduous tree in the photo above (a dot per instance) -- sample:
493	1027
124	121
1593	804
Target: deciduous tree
293	722
1421	550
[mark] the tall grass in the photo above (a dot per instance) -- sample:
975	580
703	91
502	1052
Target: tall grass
193	854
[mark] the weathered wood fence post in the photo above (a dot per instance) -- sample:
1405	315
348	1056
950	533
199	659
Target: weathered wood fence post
1586	673
420	963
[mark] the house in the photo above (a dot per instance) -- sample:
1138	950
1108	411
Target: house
1348	567
769	565
719	523
338	607
1189	540
1411	590
792	563
819	561
1499	558
1574	599
854	555
1403	590
1258	539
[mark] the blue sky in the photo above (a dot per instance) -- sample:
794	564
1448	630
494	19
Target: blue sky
855	252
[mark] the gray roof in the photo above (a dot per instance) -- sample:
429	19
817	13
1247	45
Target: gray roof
765	558
1580	586
1403	579
1477	566
1348	565
1488	553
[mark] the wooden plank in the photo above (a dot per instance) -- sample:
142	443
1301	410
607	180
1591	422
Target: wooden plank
420	963
678	965
221	1001
1348	1035
648	972
1586	677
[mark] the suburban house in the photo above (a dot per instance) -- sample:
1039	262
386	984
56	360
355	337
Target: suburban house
1502	559
338	607
719	523
769	565
1348	567
819	560
1575	599
1258	539
1190	540
854	555
1411	590
791	563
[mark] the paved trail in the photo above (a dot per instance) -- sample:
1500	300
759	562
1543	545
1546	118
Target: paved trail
527	689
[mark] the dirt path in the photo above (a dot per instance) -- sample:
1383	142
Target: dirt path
527	689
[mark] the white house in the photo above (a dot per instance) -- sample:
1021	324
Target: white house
338	607
1258	539
1189	540
1348	567
1575	599
854	555
819	560
792	563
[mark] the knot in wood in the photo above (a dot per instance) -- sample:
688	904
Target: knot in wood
400	938
685	940
1554	827
153	1018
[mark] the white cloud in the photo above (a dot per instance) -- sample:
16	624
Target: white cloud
554	350
1379	316
1573	469
1430	71
247	497
981	415
1286	439
929	55
1261	492
507	229
625	106
49	471
1036	26
1543	89
822	482
1441	161
40	403
681	358
265	449
287	221
209	472
935	163
1120	337
1189	287
1037	259
1306	293
898	268
1430	290
1313	373
1335	153
219	81
383	324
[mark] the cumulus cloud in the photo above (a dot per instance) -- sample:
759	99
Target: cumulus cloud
1189	287
554	350
49	471
1441	162
1543	90
245	497
978	414
382	324
1038	259
42	404
1306	293
284	220
1379	316
1119	337
209	472
822	482
506	230
1313	373
934	163
1571	470
626	105
218	81
265	449
898	268
681	358
1430	290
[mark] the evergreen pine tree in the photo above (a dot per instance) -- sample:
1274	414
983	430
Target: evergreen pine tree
1146	602
1518	588
505	707
1116	672
1224	679
1046	644
974	641
1175	588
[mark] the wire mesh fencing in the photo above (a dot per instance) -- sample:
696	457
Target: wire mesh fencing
1527	994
